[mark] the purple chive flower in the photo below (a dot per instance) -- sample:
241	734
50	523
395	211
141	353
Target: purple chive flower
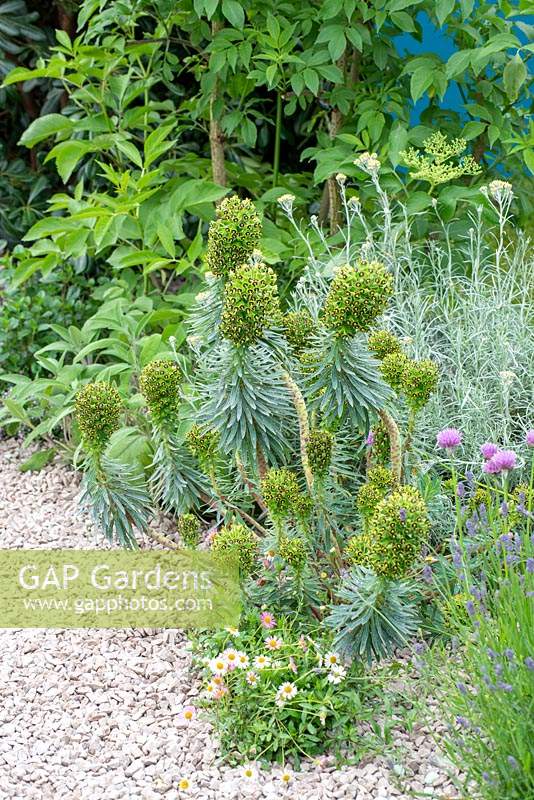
530	566
402	514
370	439
491	467
488	450
529	438
505	460
449	438
529	663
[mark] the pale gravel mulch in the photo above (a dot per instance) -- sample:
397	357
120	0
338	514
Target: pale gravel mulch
94	714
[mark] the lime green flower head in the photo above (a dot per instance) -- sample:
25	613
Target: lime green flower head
298	328
392	368
383	343
303	507
189	530
293	551
319	446
419	381
280	490
159	383
97	410
398	530
203	442
358	550
380	481
357	296
233	236
251	304
239	543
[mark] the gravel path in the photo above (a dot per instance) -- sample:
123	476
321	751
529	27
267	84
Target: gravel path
93	714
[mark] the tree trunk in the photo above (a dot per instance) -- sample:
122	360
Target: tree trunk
218	167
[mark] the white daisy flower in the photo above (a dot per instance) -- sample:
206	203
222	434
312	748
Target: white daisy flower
273	643
218	665
261	662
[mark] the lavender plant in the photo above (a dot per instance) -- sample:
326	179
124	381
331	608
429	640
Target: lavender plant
487	599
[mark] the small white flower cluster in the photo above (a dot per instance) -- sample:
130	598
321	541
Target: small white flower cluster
286	202
336	671
501	191
498	189
369	162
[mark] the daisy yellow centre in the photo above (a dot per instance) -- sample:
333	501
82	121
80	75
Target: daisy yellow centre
184	784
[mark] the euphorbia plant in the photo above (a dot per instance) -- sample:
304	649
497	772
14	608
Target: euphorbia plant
268	433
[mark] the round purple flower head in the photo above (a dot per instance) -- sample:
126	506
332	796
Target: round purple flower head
530	438
491	467
488	450
505	460
449	438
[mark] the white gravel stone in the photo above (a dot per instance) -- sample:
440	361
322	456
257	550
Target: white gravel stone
94	714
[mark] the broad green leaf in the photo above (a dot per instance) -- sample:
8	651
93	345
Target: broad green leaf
233	11
311	79
64	39
458	63
398	139
514	76
528	157
130	151
419	83
399	5
403	21
43	127
443	9
38	460
473	129
166	238
494	133
67	156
